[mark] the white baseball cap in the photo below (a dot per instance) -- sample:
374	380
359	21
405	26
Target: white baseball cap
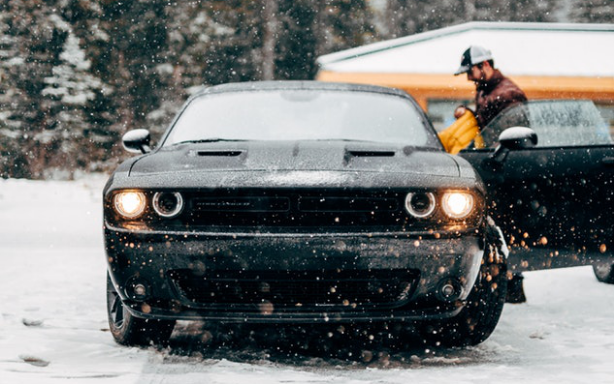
473	56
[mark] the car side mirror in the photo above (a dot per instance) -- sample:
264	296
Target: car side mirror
137	141
518	138
514	138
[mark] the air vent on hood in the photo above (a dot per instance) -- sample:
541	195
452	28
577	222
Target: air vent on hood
219	153
371	153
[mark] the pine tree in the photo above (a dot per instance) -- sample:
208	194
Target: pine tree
85	18
342	24
190	35
12	160
297	41
235	50
36	46
592	11
532	11
136	45
406	17
68	92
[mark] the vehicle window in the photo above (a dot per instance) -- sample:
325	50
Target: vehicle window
558	123
606	111
303	115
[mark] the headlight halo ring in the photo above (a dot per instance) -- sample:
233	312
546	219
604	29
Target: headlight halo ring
420	212
163	211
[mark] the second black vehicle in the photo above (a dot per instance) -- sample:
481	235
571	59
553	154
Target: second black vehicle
553	197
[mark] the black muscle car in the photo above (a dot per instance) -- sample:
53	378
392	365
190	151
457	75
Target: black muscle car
300	202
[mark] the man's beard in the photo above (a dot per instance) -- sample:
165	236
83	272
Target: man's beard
482	82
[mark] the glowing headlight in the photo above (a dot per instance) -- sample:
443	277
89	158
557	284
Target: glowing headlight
457	205
129	204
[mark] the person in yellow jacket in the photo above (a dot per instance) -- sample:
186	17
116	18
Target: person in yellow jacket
461	133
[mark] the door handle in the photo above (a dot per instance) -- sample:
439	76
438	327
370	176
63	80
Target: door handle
607	161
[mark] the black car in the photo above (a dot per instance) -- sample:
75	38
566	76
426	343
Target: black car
301	202
554	198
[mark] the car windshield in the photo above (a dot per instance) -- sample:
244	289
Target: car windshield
303	115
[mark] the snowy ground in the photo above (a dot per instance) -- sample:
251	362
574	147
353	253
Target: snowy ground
53	319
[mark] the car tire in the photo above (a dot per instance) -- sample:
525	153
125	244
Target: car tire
129	330
604	272
481	313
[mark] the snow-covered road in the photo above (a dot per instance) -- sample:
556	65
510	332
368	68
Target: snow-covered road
53	319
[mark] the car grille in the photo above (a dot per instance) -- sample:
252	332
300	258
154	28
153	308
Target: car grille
298	211
267	291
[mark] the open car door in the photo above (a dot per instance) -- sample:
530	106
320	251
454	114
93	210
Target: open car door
553	201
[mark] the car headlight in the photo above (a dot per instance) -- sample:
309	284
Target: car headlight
420	204
457	205
168	204
129	204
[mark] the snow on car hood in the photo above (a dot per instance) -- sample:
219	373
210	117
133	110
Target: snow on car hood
305	163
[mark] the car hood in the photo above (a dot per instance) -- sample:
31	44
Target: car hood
294	165
309	163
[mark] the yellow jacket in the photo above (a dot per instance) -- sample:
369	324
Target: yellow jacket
460	134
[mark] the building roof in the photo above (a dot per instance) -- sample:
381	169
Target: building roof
534	49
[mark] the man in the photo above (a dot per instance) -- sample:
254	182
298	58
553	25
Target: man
494	93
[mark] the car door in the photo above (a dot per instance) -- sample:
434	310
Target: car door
554	201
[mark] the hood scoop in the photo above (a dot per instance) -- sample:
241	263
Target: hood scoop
218	153
370	153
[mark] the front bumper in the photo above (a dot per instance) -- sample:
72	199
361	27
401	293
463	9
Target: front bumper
392	276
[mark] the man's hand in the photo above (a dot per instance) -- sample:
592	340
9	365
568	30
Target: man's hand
459	111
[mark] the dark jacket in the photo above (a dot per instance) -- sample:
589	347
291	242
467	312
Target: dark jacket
494	96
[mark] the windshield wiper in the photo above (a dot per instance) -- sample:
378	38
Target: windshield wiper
210	140
407	148
344	140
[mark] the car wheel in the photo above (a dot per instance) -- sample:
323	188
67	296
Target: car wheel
478	319
604	272
132	331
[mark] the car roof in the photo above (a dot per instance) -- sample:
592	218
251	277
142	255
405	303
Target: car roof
300	85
